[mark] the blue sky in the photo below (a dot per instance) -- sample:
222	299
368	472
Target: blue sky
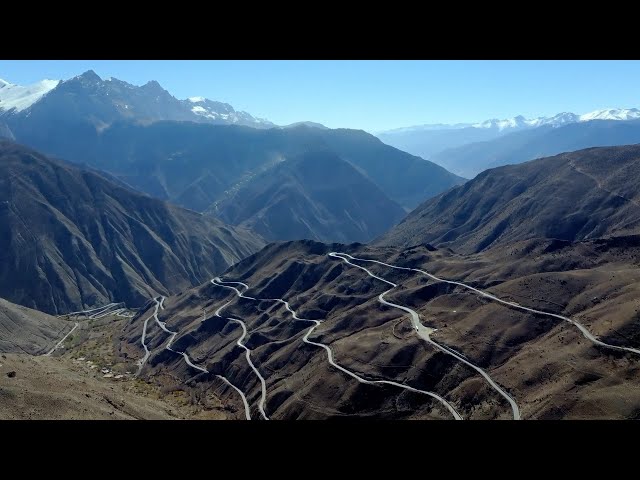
372	95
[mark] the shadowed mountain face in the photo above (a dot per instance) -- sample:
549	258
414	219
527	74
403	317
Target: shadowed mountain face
314	196
580	195
195	164
545	364
71	239
23	330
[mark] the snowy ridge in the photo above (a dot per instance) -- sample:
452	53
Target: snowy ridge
520	122
611	114
561	119
223	112
18	98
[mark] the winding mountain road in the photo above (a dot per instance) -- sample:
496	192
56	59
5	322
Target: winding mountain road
263	384
144	359
101	312
108	311
423	333
577	324
81	312
217	281
163	326
247	410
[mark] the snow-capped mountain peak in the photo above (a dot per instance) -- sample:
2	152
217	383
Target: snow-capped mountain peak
18	97
114	98
515	122
560	119
611	114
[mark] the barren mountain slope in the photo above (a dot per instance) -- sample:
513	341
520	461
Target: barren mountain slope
545	364
71	239
579	195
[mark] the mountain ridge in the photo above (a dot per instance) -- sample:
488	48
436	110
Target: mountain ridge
161	105
72	239
468	148
316	196
573	196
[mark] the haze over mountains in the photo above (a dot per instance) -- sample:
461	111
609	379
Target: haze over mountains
468	149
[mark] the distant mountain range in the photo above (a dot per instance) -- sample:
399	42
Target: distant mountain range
466	149
529	144
71	239
104	101
581	195
195	152
520	121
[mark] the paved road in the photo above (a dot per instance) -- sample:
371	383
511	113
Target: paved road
61	341
163	326
80	312
144	359
192	365
108	311
247	412
424	332
263	384
448	406
577	324
103	311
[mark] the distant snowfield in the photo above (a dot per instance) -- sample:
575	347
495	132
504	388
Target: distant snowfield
20	98
560	119
611	114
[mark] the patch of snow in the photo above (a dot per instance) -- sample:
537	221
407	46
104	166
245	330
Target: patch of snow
20	98
196	99
199	110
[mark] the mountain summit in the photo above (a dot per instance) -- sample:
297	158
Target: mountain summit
109	100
